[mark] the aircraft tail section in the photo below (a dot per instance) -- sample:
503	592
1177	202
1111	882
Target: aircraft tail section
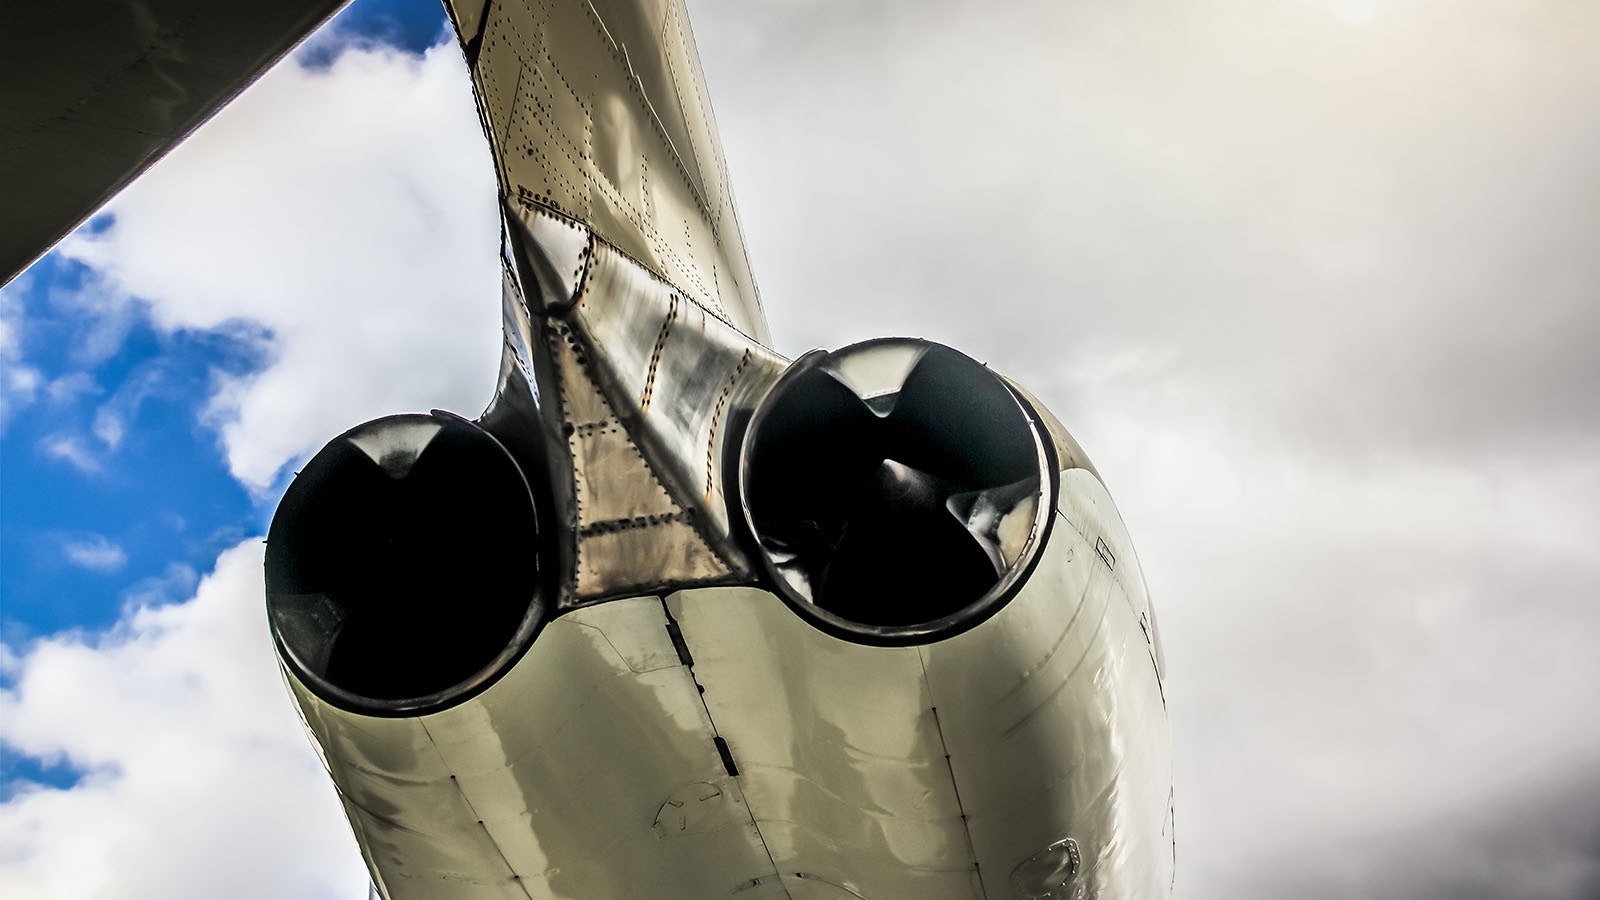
598	111
677	617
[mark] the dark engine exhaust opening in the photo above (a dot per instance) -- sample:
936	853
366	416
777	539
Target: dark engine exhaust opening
899	490
402	566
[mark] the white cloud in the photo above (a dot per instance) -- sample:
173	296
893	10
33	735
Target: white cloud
176	583
72	450
19	381
347	211
1377	235
198	778
1366	657
109	427
69	387
95	552
111	420
1355	10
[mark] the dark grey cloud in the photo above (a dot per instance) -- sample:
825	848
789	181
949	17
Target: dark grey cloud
1317	291
1541	842
1375	232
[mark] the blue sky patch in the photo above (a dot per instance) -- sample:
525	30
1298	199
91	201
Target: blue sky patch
409	25
113	490
22	773
109	477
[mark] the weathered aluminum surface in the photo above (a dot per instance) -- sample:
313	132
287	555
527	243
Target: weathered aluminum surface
639	322
1028	757
641	386
1051	713
599	111
631	531
590	772
678	376
837	744
1054	716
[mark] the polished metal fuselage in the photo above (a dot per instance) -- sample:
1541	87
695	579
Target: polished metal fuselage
593	770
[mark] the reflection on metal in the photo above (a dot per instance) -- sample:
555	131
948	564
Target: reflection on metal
1049	713
899	490
1053	716
1048	874
598	110
402	565
631	531
397	443
676	375
961	665
838	748
547	784
1069	455
555	252
643	327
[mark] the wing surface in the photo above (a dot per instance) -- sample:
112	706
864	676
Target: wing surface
92	92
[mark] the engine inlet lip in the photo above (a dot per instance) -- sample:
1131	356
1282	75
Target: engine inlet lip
521	641
934	630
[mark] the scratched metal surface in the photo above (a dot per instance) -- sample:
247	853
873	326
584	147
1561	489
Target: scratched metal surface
638	324
837	744
645	386
1054	715
589	772
680	374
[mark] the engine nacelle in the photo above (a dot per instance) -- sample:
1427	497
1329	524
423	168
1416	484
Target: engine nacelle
899	491
402	566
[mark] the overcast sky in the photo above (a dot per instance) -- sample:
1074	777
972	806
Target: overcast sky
1315	282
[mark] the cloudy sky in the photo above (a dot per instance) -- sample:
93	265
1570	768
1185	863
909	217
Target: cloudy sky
1316	283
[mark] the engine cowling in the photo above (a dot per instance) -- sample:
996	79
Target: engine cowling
898	490
402	566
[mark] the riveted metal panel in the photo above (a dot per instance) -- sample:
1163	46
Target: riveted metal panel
418	833
837	746
598	110
632	532
1064	735
557	782
679	375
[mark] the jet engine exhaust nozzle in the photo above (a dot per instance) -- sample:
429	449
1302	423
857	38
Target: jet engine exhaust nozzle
899	491
402	566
